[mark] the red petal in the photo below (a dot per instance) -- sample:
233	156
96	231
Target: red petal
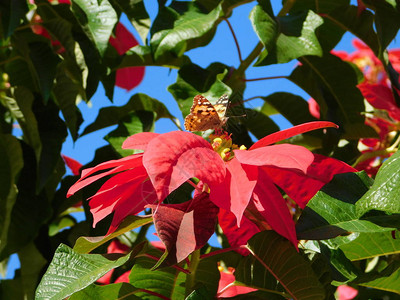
346	292
118	165
129	78
314	109
234	193
233	290
123	40
237	236
287	133
281	156
185	227
74	165
123	278
302	187
271	205
139	141
174	157
380	96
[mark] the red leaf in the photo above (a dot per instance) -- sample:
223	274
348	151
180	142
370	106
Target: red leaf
118	165
232	291
271	205
287	133
346	292
74	165
302	187
234	193
281	156
139	141
174	157
123	40
185	227
380	96
237	236
124	194
129	78
314	109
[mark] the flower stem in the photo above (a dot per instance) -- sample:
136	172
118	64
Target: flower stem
234	37
266	78
249	59
287	7
191	277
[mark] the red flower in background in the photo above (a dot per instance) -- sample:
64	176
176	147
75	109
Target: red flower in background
232	179
126	78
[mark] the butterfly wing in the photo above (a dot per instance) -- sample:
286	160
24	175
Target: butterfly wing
221	106
203	115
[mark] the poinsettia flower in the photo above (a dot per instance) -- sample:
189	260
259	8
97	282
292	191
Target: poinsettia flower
74	165
233	179
346	292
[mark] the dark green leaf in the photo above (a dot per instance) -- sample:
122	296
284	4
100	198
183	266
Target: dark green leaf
139	102
137	14
332	82
12	12
208	275
10	165
294	108
181	27
259	124
87	244
168	282
324	6
387	280
70	272
387	20
279	258
383	195
97	19
296	39
120	290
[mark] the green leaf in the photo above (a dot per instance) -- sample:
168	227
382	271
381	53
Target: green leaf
12	13
67	93
169	282
142	56
322	7
294	108
333	210
383	195
137	14
369	245
10	165
331	82
208	275
259	124
278	257
21	109
361	25
120	290
181	27
387	280
112	115
87	244
193	80
70	272
265	27
97	19
296	39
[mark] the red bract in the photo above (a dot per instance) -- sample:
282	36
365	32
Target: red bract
74	165
233	179
226	289
130	77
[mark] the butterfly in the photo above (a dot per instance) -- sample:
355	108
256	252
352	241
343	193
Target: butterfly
203	115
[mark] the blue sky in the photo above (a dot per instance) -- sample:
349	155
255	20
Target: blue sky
157	79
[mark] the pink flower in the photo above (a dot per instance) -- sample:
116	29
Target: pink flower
346	292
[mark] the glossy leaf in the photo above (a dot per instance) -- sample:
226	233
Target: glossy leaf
186	23
369	245
265	26
278	257
330	81
333	210
97	20
168	282
87	244
13	12
259	123
139	102
70	272
383	195
385	280
109	291
296	38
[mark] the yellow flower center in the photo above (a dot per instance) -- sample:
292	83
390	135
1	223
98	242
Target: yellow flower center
222	144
